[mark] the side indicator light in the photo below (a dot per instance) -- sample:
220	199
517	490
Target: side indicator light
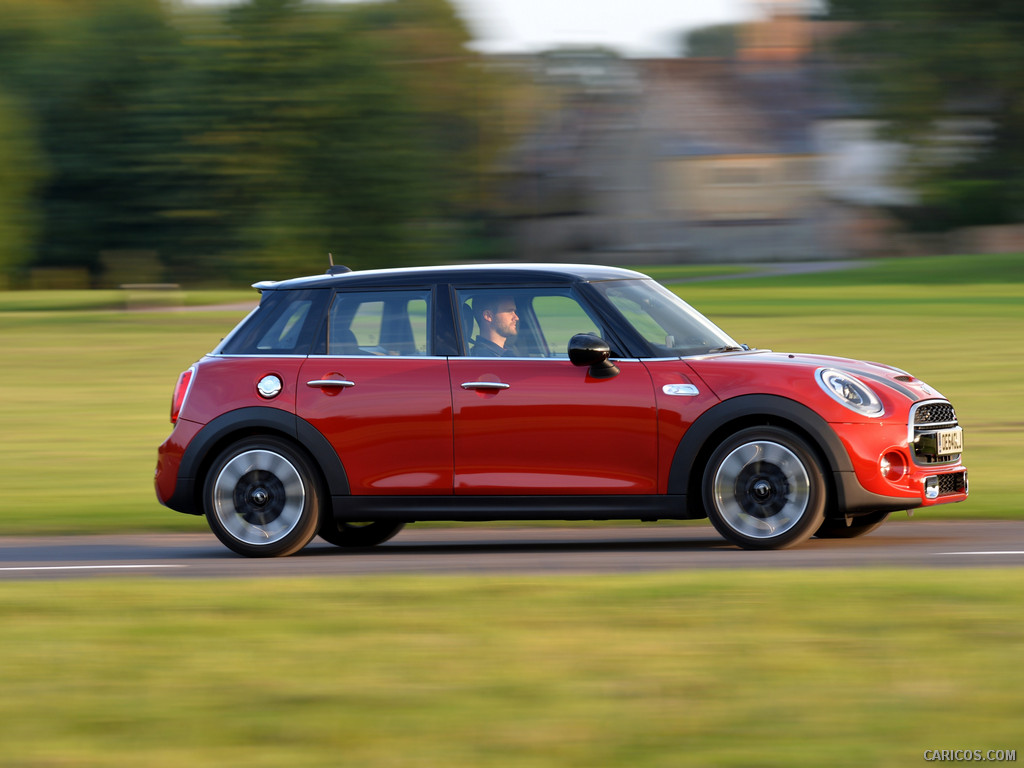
681	390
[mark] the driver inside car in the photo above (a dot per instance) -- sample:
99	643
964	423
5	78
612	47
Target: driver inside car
499	325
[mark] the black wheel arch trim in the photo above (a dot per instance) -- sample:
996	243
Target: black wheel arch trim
749	410
247	422
774	410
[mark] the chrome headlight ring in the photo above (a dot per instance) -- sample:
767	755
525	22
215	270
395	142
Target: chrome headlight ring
849	391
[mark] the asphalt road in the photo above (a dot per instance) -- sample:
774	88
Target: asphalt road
498	550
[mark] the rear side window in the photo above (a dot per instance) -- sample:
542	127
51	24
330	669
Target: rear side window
285	323
388	323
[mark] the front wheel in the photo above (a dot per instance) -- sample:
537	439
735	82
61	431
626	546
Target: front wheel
262	498
357	534
764	488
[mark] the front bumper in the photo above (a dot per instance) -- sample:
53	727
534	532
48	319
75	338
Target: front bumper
918	485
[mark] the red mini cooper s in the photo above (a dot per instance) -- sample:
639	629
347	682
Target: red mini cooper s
351	403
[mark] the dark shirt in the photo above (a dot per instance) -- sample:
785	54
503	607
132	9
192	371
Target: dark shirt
486	348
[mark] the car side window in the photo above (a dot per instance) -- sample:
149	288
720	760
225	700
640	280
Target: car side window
560	318
544	320
284	334
386	323
285	323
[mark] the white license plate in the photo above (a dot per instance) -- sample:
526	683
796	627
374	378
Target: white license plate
950	441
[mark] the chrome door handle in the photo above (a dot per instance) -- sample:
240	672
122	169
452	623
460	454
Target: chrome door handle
485	385
331	383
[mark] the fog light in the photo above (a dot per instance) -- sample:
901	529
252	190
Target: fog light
893	466
931	487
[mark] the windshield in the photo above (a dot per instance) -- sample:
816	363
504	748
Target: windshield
670	325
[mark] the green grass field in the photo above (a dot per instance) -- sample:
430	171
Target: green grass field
751	668
86	389
746	668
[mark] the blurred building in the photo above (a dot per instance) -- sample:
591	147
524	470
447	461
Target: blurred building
758	156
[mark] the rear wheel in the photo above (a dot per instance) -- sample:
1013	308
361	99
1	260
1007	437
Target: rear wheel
764	488
358	534
262	498
834	528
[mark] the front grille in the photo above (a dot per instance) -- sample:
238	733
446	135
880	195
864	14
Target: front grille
933	414
954	482
928	417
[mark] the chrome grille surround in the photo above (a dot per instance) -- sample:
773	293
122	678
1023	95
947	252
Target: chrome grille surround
927	416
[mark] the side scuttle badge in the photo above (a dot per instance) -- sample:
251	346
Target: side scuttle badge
681	390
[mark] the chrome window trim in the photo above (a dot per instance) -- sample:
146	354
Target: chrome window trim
257	357
481	358
376	357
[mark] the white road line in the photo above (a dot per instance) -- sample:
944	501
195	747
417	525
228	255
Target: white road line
989	552
80	567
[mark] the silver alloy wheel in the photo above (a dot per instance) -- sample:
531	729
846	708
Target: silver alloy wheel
761	489
259	497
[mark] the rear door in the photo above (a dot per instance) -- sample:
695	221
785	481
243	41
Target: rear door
380	396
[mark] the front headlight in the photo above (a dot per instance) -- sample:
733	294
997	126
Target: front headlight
850	391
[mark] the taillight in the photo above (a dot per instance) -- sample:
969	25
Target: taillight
180	391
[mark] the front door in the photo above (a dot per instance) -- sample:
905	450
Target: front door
528	421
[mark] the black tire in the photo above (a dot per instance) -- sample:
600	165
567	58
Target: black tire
358	534
764	488
262	498
833	528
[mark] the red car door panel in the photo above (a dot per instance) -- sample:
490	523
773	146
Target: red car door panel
388	418
545	427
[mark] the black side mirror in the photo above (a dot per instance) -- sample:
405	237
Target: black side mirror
586	349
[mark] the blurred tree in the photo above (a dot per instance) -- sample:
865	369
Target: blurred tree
348	129
716	41
98	77
21	171
249	140
919	61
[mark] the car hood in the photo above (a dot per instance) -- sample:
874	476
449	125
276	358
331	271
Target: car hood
765	365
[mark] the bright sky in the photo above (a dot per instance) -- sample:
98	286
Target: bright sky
632	27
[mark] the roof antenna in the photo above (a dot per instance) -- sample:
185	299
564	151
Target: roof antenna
335	270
